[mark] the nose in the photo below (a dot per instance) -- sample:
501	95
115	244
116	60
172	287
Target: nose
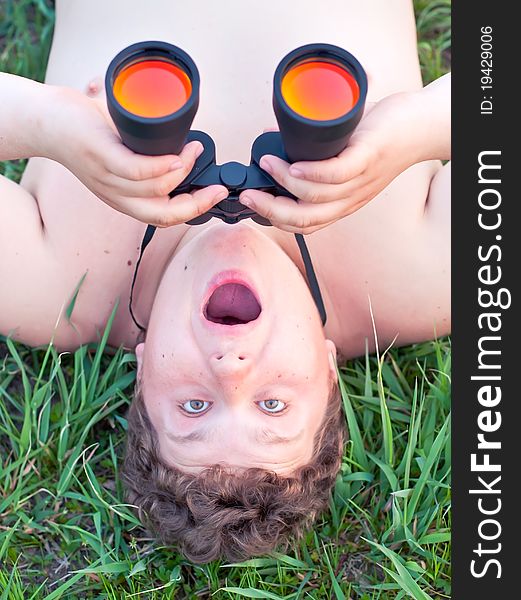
230	364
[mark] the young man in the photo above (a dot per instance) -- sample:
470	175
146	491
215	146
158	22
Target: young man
235	434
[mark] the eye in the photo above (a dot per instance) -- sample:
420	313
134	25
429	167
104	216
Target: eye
196	406
272	406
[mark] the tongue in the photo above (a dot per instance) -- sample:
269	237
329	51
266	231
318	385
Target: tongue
232	304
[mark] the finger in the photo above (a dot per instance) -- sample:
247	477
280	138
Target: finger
128	165
284	211
267	129
157	186
308	191
94	87
304	231
150	188
164	212
132	208
349	210
350	163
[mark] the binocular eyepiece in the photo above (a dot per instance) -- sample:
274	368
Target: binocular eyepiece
153	95
319	95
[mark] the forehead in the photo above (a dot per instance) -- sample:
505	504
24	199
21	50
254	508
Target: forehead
251	447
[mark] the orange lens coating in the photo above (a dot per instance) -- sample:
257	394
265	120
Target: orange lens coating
319	90
152	88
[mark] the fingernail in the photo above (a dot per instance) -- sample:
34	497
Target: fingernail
246	200
221	196
266	165
294	172
198	149
177	163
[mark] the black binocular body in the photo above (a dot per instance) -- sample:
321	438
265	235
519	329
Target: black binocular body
319	93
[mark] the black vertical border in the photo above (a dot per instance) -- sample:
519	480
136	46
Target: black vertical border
473	133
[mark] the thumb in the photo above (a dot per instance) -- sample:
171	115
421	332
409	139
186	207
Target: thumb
340	169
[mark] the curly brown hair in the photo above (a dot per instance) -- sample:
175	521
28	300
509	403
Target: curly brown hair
221	513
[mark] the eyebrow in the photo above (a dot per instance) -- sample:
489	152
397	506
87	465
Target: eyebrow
263	436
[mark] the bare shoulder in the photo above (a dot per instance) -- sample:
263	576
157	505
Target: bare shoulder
91	252
32	298
390	262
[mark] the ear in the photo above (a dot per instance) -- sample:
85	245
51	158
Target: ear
140	350
331	350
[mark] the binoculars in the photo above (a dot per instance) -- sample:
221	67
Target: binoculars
319	93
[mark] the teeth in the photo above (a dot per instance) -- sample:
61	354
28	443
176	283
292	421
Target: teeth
232	304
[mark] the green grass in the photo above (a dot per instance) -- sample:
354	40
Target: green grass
65	531
434	37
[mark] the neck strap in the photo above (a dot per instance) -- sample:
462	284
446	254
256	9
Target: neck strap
304	252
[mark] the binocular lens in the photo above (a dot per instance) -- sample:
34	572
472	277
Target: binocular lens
319	95
152	96
320	90
152	88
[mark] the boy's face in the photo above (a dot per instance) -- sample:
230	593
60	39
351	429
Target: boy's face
244	395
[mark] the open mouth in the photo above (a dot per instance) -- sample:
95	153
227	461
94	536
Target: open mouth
232	304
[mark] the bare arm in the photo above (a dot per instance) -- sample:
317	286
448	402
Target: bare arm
26	266
24	103
425	122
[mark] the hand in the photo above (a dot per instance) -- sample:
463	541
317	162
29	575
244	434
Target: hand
82	137
379	150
